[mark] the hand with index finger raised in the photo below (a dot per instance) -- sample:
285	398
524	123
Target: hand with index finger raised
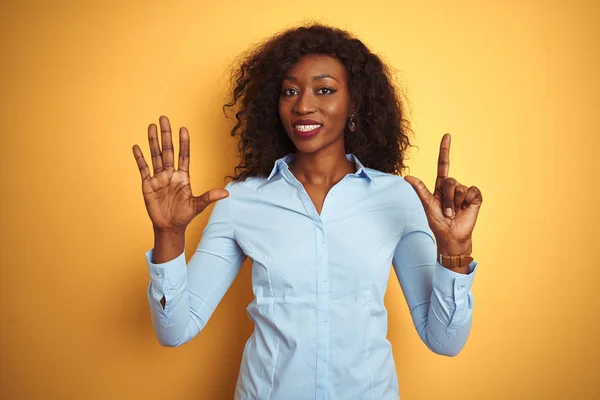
452	209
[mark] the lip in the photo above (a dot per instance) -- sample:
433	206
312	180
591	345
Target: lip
305	122
309	134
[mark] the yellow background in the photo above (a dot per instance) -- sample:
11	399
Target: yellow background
516	83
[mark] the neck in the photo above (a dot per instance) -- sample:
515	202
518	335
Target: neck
321	168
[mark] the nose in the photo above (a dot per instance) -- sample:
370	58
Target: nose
305	103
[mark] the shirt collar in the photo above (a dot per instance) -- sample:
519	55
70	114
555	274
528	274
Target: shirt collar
283	163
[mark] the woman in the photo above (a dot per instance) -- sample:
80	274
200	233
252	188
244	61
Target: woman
318	204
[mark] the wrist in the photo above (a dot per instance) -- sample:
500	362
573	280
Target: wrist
168	231
168	244
455	248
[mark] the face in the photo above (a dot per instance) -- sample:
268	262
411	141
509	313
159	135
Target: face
314	103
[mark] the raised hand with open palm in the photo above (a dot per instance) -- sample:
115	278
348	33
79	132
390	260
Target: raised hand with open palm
168	194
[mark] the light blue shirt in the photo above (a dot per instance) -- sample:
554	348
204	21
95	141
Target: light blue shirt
319	282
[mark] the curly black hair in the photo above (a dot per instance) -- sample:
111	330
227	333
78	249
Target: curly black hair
380	138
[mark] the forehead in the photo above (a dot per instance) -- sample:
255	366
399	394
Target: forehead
318	64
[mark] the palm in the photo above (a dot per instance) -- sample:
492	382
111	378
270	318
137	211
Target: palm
169	199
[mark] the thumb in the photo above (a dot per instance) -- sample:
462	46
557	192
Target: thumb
204	200
422	191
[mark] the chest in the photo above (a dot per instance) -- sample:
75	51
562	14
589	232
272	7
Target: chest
317	195
349	246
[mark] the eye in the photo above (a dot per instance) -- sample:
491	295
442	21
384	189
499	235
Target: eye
288	92
326	91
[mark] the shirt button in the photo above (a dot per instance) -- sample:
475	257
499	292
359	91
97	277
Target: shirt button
461	287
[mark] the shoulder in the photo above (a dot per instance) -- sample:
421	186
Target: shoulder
250	184
241	191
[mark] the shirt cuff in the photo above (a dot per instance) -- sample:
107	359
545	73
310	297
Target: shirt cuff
167	275
453	284
456	287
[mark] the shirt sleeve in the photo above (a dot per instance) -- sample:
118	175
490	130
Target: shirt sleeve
440	300
193	291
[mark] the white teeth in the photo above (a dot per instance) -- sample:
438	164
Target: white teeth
307	128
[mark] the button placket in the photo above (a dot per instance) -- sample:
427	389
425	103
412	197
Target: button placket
322	310
322	282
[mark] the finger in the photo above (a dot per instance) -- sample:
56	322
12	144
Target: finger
448	187
184	150
460	192
141	163
473	197
203	201
167	143
154	149
420	188
443	161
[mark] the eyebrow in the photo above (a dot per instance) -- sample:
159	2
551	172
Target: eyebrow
316	77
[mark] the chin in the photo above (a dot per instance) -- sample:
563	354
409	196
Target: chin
308	147
315	144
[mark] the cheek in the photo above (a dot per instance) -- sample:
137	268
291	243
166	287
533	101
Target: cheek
336	112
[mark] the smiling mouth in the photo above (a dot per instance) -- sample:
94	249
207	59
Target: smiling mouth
307	130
